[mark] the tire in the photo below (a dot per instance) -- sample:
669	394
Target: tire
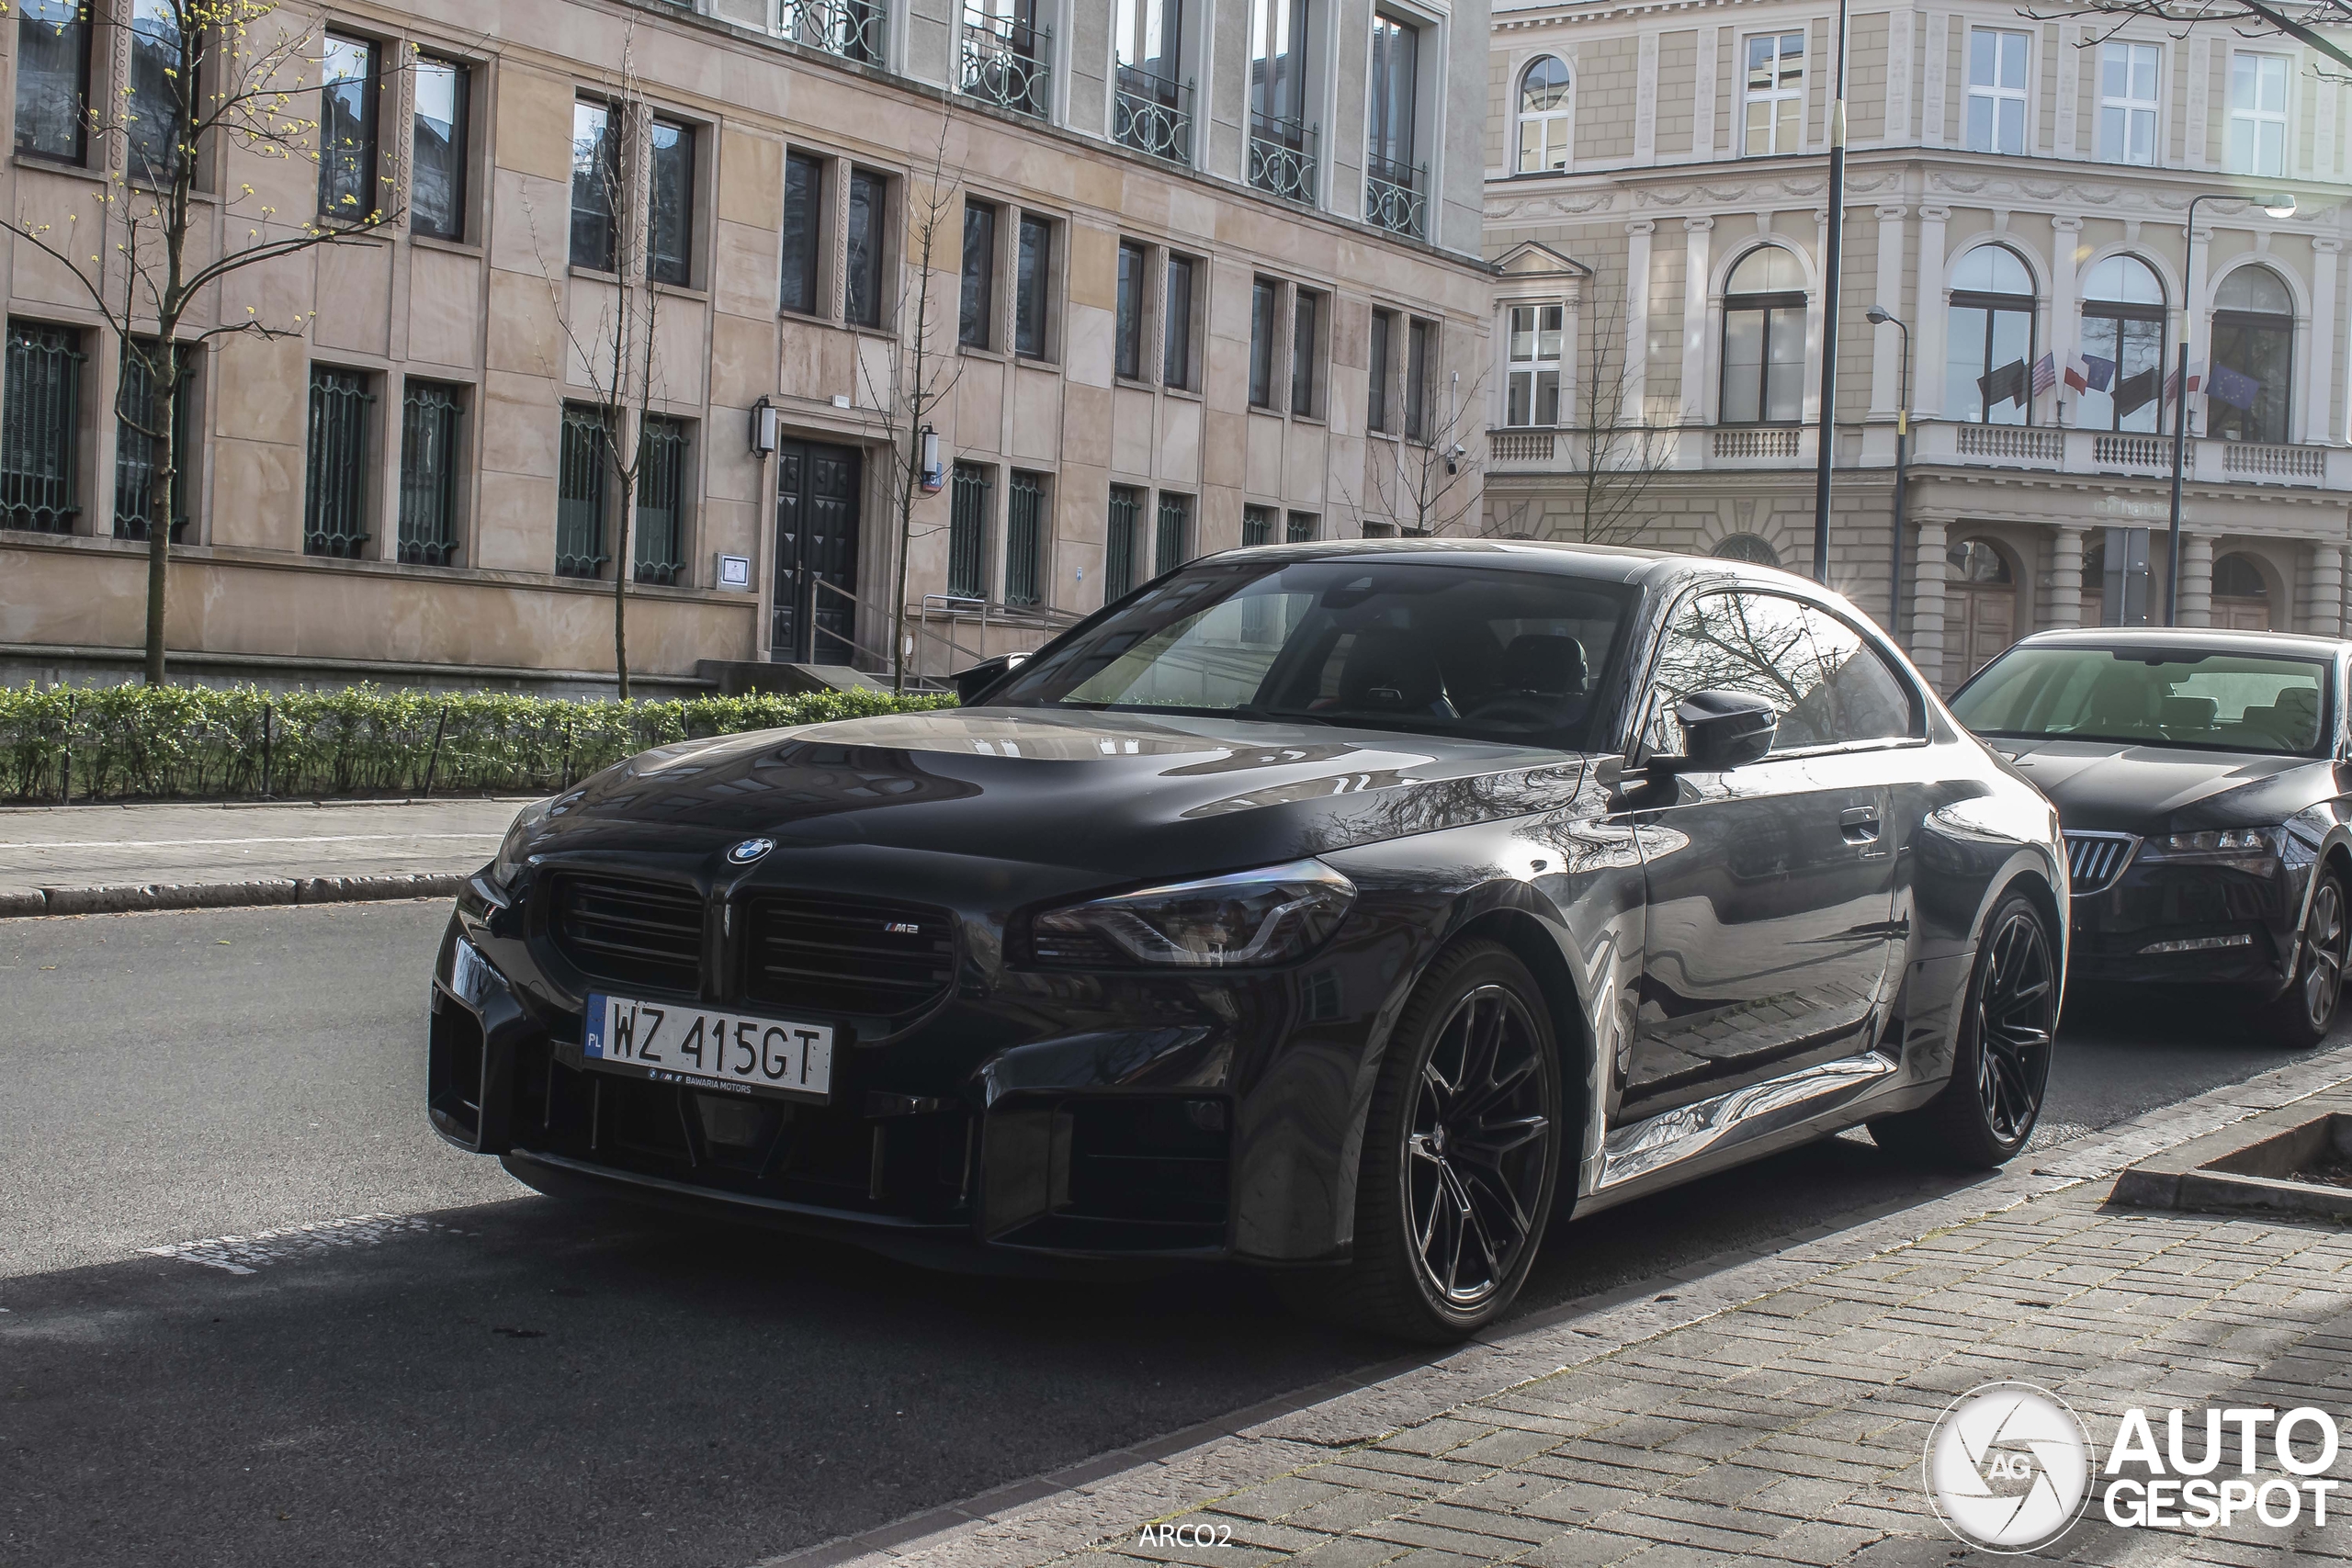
1456	1184
2301	1016
1985	1113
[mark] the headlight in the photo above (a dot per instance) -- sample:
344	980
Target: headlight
2223	841
528	822
1250	917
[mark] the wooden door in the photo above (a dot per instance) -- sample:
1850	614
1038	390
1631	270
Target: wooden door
1979	621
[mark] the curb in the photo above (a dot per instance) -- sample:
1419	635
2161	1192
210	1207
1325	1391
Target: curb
128	898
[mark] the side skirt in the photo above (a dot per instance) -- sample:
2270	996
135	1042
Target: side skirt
1672	1137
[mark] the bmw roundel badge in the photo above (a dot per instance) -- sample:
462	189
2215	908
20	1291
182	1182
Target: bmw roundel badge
749	850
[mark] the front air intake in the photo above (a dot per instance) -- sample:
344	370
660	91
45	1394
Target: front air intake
630	932
2095	860
843	954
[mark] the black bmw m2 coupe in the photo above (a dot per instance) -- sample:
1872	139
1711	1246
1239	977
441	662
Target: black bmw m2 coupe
1343	909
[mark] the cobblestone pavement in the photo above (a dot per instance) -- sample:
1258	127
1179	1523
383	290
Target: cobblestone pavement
1773	1412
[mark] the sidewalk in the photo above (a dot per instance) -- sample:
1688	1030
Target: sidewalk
69	860
1767	1412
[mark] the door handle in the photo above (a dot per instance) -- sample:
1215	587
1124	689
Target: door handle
1859	824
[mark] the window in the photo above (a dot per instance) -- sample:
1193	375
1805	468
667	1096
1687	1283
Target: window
1532	394
1033	285
1119	542
595	186
581	469
1257	525
2124	346
155	127
1544	117
1303	528
1828	686
436	189
1135	262
1173	541
665	446
670	221
2258	113
1747	547
1764	339
1176	355
967	531
347	129
138	448
1007	55
804	188
862	254
1282	142
433	416
41	429
2248	393
1305	348
1989	344
2127	102
976	309
1420	341
1393	195
2229	702
1997	91
334	487
1025	540
1265	301
1376	413
1151	106
53	76
1775	94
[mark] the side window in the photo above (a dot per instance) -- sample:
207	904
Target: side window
1856	696
1826	684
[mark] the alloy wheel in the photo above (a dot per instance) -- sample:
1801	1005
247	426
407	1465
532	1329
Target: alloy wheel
1477	1148
2323	954
2016	1014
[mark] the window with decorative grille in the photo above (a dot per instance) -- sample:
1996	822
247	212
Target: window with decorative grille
1025	540
1304	527
581	469
334	489
1257	525
1119	542
664	445
139	420
1174	543
41	419
432	423
968	532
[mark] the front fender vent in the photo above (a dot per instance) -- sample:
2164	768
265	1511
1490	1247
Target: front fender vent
2095	860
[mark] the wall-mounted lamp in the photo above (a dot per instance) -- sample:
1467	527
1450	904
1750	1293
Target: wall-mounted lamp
763	428
935	473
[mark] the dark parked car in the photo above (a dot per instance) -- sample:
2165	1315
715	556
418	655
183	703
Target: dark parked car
2203	780
1346	910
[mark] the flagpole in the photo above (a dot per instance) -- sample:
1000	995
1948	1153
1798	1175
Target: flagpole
1831	247
2180	415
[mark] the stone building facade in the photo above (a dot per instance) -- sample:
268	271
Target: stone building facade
1173	234
2016	188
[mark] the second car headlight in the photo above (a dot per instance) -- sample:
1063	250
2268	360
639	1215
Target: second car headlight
2222	842
1251	917
512	849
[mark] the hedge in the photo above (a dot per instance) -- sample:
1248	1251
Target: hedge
190	742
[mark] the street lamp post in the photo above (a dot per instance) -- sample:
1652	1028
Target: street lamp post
2281	205
1879	316
1831	260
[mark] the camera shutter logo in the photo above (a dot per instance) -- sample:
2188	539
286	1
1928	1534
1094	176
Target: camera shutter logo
2009	1467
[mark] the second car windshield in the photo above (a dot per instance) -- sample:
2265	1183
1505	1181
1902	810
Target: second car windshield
1440	648
2157	696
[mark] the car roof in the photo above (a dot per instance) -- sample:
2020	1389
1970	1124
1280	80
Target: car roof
1613	563
2209	638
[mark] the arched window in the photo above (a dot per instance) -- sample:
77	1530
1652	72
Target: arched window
1764	339
1978	561
2124	346
1747	547
2246	393
1544	117
2241	594
1989	374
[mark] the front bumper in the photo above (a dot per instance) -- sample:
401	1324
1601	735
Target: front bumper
2171	921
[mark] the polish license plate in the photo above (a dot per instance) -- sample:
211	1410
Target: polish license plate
684	1045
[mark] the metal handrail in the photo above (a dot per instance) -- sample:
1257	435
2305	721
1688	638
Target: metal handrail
849	30
1282	157
818	629
1153	114
1006	62
1394	197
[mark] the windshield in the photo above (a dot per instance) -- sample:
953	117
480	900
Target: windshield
1441	650
2151	696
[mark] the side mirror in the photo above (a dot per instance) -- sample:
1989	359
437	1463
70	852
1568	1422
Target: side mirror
972	684
1721	730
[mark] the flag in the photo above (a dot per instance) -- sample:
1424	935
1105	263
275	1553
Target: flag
2234	387
2076	380
2045	374
2007	385
2172	384
2100	373
2135	392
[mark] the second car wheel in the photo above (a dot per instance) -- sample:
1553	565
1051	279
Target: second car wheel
1461	1156
2303	1014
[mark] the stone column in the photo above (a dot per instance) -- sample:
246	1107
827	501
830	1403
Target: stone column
1927	372
2196	580
1886	347
2323	604
1928	568
1698	329
1635	403
2320	422
2066	309
2061	591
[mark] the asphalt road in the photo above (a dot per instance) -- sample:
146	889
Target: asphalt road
503	1380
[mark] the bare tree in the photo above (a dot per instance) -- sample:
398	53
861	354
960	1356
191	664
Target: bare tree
1426	483
211	81
1618	453
2299	19
613	349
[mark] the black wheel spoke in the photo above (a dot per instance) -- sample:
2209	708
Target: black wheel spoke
2015	1018
1475	1146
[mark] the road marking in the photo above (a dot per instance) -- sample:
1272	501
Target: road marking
185	843
246	1254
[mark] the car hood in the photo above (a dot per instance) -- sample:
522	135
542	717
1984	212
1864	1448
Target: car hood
2139	789
1124	795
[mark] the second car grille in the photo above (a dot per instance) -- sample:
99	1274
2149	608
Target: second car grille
848	955
647	933
2095	860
